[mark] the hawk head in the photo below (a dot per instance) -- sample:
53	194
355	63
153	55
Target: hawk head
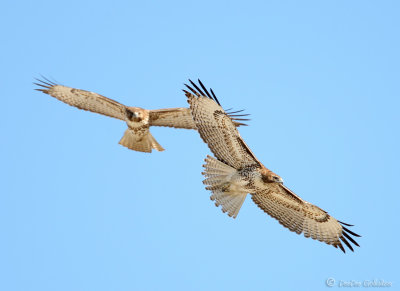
134	114
269	176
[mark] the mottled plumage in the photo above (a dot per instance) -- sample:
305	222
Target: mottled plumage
137	137
235	172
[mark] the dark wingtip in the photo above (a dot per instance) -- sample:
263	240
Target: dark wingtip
350	238
192	90
237	111
187	94
349	231
215	97
345	236
229	111
236	118
197	88
45	83
342	238
243	119
204	88
345	223
200	92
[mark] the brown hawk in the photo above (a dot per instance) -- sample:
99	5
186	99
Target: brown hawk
137	137
235	172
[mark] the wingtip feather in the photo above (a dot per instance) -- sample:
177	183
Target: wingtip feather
343	239
349	231
350	238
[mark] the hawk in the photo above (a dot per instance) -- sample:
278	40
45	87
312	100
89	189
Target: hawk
137	137
235	172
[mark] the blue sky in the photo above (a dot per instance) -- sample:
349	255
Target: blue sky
80	212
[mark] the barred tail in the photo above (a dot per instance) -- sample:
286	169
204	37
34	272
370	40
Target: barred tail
218	178
140	143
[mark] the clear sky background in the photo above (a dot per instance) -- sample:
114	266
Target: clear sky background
80	212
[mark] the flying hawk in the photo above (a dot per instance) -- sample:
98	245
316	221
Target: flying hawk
137	137
235	172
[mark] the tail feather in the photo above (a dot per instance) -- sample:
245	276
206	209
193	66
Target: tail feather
154	143
140	143
218	178
229	202
213	168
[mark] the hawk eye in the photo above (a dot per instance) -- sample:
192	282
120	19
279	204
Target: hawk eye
277	179
129	114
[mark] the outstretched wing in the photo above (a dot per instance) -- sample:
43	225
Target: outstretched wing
218	129
302	217
172	117
82	99
176	117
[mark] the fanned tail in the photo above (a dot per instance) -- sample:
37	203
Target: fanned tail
218	178
143	143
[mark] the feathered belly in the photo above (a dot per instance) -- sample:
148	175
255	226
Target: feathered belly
238	183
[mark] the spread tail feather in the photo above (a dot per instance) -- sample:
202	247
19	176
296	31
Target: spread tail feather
218	178
140	143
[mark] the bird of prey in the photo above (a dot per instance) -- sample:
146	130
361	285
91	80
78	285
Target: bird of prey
137	137
235	172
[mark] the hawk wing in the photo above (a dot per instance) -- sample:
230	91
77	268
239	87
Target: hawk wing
218	129
302	217
172	117
82	99
176	117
